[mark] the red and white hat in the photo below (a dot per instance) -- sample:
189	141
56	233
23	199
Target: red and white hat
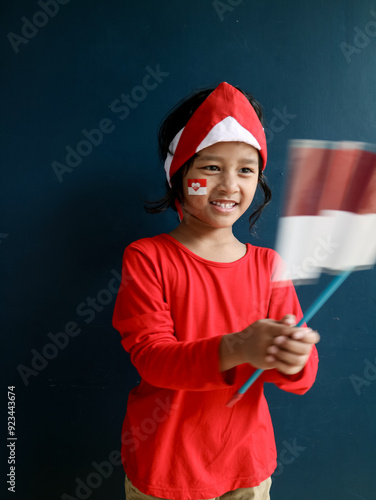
225	115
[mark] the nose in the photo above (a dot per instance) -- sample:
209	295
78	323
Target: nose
228	183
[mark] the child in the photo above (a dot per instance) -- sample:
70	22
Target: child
198	314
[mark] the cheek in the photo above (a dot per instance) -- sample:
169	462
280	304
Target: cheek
195	194
254	189
196	202
251	191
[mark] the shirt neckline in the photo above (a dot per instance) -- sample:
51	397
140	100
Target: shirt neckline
206	261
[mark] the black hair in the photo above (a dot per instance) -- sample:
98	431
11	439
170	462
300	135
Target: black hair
171	124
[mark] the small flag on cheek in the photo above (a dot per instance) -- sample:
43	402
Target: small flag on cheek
197	186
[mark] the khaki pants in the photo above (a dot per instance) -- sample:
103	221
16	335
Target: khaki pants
260	492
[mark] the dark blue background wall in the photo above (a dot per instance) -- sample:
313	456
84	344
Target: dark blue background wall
62	236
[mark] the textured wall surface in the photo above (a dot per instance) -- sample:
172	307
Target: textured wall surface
84	86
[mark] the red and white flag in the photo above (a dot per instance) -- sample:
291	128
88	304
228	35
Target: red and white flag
197	186
329	217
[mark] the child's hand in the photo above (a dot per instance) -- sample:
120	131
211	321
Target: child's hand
267	344
289	353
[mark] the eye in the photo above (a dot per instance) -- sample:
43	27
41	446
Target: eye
212	168
247	170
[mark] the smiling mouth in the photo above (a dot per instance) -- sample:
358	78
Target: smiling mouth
229	204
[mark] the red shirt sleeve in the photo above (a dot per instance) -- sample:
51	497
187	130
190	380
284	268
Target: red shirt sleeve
142	317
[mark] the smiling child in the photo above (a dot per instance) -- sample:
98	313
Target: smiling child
199	314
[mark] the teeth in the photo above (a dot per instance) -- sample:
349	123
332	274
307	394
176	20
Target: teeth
224	205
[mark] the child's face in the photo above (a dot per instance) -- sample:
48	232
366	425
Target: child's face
231	173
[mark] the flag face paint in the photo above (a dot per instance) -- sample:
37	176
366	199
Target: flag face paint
197	186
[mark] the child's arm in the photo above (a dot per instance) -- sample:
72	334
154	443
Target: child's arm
143	318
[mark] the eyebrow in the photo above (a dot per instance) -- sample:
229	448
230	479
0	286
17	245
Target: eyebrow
220	158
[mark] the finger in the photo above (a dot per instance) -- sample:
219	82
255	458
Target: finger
287	331
309	336
288	369
291	358
268	362
272	349
271	361
293	346
290	332
289	319
277	355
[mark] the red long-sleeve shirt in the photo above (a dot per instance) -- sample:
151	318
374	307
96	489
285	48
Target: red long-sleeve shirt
179	439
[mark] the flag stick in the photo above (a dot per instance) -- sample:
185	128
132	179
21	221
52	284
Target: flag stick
312	310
